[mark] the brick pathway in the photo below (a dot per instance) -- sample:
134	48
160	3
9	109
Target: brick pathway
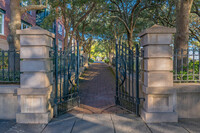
97	91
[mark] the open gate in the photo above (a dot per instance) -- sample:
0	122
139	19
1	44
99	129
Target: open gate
66	78
127	77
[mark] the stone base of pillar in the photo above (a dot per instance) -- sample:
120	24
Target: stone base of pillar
156	117
33	118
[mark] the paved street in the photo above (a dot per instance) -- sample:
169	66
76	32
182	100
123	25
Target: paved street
98	113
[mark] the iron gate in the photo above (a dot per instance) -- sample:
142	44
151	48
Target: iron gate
127	77
66	78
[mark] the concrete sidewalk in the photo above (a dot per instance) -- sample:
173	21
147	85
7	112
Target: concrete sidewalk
101	123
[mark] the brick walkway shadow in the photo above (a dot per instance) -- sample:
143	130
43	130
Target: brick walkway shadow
97	91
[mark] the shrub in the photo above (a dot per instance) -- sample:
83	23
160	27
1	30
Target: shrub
91	61
187	72
113	61
107	61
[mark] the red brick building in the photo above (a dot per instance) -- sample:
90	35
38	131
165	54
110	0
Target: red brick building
60	34
57	28
28	20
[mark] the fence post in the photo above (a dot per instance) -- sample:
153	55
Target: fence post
137	80
117	83
160	99
36	77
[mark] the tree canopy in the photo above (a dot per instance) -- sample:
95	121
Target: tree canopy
103	22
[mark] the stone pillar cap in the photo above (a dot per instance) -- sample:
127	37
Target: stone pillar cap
35	30
157	29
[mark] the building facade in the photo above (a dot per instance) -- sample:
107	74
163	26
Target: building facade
57	27
60	34
29	19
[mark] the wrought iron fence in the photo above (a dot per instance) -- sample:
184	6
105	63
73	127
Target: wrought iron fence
82	61
9	66
128	66
186	65
66	78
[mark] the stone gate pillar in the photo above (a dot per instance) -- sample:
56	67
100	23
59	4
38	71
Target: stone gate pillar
36	77
160	99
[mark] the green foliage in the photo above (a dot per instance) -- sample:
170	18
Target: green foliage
106	61
104	27
91	61
33	2
98	51
189	71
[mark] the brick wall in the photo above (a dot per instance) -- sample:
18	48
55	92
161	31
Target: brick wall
31	19
58	36
5	5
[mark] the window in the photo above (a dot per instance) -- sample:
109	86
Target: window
24	26
1	23
59	44
59	28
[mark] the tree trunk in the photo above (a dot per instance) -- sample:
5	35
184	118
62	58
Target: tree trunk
66	38
13	39
89	55
85	55
111	55
71	39
15	24
183	8
66	41
130	38
66	26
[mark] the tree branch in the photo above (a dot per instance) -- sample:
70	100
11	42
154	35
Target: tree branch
79	21
84	16
164	20
133	10
117	7
195	36
138	13
113	11
33	7
196	10
123	22
124	12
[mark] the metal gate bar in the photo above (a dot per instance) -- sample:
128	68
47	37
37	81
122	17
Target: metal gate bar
66	78
127	77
